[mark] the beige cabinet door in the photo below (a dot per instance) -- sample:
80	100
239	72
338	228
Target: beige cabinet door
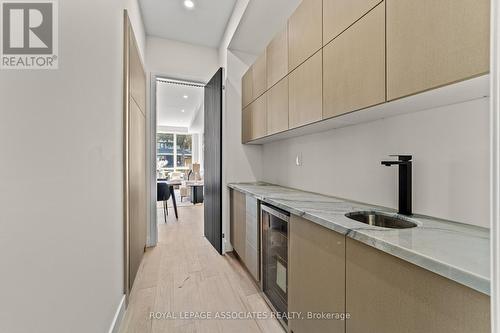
259	76
389	295
338	15
431	43
277	58
137	188
238	222
354	66
305	30
277	107
316	272
247	88
246	124
135	164
259	117
305	92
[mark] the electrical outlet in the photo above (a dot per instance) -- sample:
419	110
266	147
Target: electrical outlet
298	159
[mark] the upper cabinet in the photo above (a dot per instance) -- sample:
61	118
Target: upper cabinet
254	120
354	66
305	30
246	124
339	56
305	92
338	15
259	118
259	76
431	43
277	58
277	107
246	88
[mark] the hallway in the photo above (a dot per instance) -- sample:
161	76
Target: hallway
185	274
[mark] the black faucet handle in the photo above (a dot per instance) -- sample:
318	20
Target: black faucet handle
404	158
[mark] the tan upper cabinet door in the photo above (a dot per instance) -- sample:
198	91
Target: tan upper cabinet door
247	88
246	124
389	295
338	15
354	66
277	58
316	272
259	75
305	92
305	30
277	107
431	43
259	117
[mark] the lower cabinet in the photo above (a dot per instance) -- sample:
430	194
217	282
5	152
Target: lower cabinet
316	276
237	222
389	295
244	230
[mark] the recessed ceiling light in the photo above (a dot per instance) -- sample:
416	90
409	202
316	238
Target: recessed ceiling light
185	96
189	4
183	110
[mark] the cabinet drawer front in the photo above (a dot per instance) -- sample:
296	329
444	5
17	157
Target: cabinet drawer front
305	31
338	15
354	66
305	92
252	261
431	43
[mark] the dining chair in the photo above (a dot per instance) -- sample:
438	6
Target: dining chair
163	194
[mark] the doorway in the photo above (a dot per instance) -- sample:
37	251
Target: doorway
186	130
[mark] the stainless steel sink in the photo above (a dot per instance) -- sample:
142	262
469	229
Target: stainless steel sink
381	219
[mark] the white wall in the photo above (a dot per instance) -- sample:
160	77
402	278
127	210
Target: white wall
450	169
180	60
171	129
135	16
61	197
197	124
240	162
197	127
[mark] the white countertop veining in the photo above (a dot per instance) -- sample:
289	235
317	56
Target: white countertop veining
457	251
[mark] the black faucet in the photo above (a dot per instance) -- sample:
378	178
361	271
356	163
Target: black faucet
404	162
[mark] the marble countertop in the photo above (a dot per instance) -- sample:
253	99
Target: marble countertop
457	251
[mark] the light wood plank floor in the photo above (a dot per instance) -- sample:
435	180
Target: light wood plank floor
185	274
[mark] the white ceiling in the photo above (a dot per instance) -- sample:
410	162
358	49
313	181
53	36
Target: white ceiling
262	20
170	103
203	25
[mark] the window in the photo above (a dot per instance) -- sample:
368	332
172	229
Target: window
183	151
173	157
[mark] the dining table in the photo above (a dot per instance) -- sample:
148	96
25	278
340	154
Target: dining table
171	183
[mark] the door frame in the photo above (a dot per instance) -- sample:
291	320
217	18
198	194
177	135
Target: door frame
126	191
152	239
495	164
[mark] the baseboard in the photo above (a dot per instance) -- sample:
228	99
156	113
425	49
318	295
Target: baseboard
117	320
